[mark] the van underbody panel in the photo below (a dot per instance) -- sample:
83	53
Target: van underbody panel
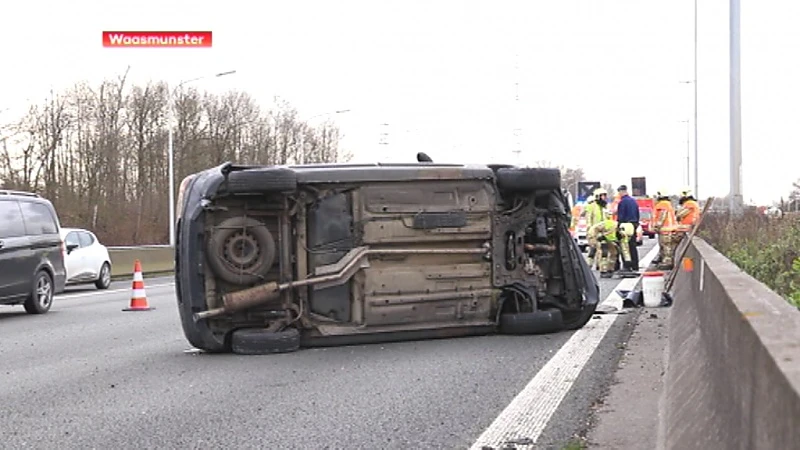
352	254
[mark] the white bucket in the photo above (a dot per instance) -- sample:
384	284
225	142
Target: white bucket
652	288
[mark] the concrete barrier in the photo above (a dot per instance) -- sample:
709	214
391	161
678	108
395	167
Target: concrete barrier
733	361
155	259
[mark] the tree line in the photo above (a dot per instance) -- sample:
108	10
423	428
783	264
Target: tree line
99	153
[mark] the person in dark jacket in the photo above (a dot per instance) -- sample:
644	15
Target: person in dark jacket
628	212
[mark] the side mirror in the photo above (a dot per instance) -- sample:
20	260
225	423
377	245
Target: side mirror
71	247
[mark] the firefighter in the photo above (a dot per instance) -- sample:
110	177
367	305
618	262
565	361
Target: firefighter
664	224
595	213
689	210
612	240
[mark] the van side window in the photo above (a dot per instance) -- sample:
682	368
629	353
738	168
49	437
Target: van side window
38	219
11	218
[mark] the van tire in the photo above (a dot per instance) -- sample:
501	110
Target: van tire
525	180
254	233
261	181
539	322
258	341
41	297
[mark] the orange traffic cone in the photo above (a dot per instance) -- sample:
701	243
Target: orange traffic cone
138	295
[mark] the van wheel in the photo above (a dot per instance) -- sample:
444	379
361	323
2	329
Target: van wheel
104	280
258	341
538	322
241	250
41	298
525	180
261	181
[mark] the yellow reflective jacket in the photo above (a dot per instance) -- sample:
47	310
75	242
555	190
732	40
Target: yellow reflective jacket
608	229
594	214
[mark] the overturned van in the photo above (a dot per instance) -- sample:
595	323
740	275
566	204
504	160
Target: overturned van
270	259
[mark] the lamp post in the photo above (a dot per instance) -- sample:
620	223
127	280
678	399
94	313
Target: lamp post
694	82
303	136
170	150
735	110
688	151
695	102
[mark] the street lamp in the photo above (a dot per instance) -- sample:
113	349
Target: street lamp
735	109
694	82
170	150
303	136
688	147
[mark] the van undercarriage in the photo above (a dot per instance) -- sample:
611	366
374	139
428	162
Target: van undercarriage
272	258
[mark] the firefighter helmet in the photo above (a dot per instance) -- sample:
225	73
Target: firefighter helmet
626	229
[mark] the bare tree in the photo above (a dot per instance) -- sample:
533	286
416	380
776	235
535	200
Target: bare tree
570	177
100	152
147	159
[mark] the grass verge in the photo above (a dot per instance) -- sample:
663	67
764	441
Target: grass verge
768	249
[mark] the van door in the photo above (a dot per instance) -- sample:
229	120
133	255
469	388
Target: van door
17	261
45	241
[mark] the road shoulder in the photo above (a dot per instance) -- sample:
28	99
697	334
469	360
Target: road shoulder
628	417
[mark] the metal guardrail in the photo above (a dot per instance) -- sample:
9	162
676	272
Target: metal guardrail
155	259
136	247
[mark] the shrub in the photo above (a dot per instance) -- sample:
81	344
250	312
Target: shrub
766	248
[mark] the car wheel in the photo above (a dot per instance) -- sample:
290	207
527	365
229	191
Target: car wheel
258	341
583	248
104	279
539	322
241	250
525	180
41	298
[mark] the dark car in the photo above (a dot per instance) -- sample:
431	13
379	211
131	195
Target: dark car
269	259
31	252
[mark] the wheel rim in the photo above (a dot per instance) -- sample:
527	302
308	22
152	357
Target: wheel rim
44	292
242	250
105	275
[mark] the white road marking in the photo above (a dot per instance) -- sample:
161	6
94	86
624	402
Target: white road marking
525	418
109	291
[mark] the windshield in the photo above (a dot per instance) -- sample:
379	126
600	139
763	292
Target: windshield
645	214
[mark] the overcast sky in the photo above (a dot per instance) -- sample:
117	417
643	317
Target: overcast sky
599	81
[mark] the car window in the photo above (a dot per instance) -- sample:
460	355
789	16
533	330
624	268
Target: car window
72	239
11	218
38	219
85	239
645	214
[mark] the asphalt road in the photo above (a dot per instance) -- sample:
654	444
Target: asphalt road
87	375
